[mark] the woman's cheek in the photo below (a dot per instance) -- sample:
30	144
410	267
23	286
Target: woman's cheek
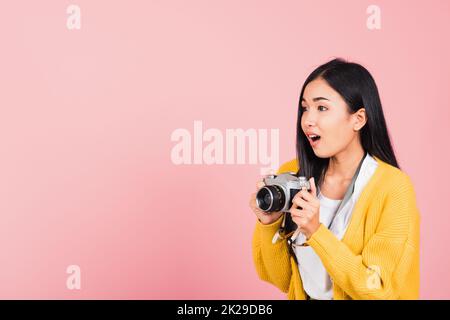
330	147
340	136
336	135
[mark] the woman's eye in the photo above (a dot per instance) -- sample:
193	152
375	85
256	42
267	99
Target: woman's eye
320	108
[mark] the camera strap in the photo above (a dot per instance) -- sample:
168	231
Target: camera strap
349	192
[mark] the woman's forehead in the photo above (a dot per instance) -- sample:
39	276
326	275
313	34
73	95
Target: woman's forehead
319	90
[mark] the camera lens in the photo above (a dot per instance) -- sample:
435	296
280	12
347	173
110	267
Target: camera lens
267	199
270	198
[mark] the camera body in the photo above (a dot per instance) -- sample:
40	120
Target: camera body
279	190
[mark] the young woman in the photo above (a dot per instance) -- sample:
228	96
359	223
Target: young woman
358	225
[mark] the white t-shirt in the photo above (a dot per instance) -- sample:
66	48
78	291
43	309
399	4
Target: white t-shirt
316	281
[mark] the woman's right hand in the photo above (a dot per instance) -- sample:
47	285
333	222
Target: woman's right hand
264	218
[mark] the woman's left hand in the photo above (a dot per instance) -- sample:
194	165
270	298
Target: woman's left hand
307	216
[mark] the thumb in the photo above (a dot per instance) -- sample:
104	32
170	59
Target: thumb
260	184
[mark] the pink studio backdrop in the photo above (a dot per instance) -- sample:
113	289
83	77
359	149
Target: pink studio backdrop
86	176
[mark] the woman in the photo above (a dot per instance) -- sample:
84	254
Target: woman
358	225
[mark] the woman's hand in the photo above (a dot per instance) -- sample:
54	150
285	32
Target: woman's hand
265	218
307	216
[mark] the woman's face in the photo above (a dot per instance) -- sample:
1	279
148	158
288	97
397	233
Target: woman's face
325	113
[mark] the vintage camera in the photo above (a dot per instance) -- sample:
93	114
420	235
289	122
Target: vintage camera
279	190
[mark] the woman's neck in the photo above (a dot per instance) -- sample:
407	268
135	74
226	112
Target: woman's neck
343	165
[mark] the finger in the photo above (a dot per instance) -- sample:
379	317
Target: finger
300	213
256	209
309	197
305	194
303	204
260	184
293	207
295	212
300	222
253	204
312	184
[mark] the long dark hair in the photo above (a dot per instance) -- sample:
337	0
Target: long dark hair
357	87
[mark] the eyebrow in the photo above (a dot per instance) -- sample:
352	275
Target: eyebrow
317	99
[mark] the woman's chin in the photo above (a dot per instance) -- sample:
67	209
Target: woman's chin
322	154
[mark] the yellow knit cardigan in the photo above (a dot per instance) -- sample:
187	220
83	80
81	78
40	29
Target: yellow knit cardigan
378	257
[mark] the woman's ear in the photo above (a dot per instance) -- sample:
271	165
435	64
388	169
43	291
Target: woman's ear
360	119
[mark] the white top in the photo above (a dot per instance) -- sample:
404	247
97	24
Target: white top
316	281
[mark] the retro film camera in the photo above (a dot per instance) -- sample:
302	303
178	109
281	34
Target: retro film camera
278	192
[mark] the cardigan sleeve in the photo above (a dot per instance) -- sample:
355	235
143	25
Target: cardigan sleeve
272	261
381	270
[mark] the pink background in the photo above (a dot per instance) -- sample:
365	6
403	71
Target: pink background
86	176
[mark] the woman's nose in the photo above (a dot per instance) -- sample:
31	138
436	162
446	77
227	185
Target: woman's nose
310	120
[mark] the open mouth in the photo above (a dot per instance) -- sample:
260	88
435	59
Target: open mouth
313	138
